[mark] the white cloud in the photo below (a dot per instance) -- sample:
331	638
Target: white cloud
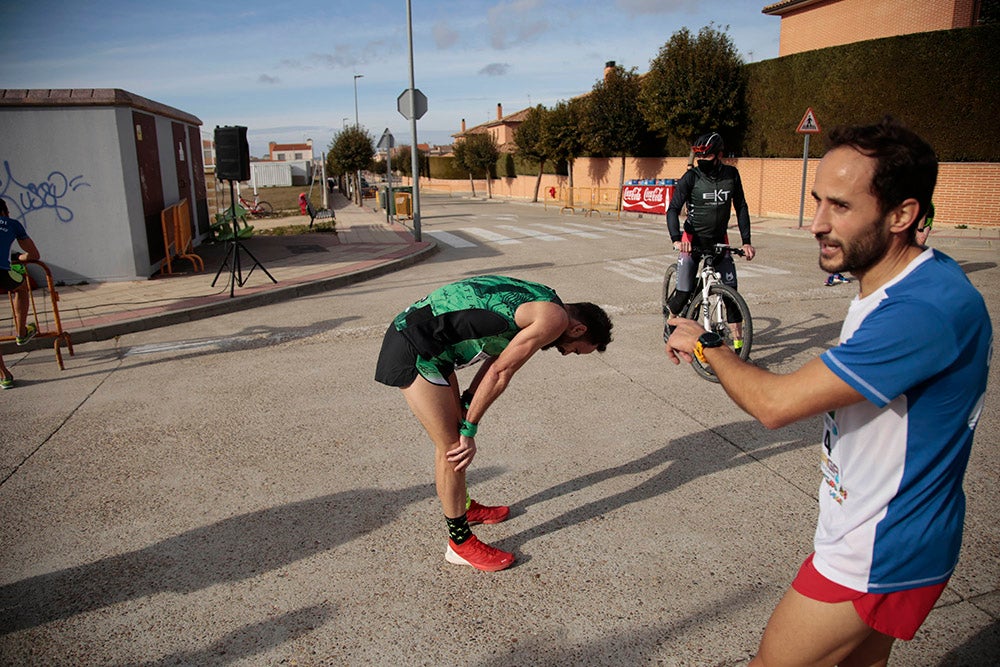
655	6
516	23
444	36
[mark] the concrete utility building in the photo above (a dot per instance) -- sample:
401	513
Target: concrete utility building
88	172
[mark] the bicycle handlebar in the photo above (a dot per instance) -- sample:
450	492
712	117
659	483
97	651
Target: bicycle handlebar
720	248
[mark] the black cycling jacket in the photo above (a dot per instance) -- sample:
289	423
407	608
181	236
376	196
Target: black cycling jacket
710	201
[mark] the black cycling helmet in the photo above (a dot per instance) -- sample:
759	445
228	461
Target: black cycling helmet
708	144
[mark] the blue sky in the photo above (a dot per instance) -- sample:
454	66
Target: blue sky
285	70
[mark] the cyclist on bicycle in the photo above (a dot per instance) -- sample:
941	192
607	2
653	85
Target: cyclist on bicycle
709	189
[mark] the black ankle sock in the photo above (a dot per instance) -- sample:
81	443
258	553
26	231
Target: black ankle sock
458	529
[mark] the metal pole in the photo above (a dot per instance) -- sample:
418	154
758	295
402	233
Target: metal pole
356	77
322	171
388	180
805	168
414	153
357	124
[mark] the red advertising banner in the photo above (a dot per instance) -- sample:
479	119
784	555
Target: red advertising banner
646	198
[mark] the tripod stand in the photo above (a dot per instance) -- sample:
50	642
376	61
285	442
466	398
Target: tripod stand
232	258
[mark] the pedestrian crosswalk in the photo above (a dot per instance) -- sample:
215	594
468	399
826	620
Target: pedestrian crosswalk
507	234
506	230
651	269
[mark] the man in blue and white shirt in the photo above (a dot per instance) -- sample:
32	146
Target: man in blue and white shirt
899	410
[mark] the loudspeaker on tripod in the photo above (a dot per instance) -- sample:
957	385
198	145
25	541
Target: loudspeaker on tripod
232	153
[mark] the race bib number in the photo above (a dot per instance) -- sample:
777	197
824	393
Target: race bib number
831	472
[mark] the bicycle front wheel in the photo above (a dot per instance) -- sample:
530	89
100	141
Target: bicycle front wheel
263	209
669	285
724	304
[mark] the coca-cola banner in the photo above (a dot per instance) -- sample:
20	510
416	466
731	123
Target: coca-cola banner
646	198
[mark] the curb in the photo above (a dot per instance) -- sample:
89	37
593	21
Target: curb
224	304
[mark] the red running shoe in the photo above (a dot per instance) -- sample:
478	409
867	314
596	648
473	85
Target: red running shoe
478	554
482	514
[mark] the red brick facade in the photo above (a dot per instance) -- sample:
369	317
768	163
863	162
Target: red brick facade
967	192
806	25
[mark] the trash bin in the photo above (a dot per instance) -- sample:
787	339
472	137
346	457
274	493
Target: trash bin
385	202
403	205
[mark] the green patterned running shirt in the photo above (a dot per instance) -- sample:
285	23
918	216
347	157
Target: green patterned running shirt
467	321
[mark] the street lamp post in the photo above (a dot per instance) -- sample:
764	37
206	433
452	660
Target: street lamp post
356	77
357	124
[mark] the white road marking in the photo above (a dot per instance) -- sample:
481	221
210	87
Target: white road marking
569	230
492	237
604	230
642	269
451	239
541	236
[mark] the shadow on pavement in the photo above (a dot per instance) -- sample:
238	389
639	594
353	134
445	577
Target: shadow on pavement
250	640
682	460
230	550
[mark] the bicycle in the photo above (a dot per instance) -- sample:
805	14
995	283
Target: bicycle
712	303
257	207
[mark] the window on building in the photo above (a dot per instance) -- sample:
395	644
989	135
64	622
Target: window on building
280	157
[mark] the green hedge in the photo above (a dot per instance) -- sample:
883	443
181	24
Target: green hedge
944	85
446	168
508	166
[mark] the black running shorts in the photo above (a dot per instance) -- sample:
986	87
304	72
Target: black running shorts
10	280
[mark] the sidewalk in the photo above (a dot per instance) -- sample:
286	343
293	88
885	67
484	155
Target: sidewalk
365	246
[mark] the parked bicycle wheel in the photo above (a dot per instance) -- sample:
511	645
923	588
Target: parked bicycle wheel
263	209
669	284
723	303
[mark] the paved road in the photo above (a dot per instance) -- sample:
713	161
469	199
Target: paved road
239	491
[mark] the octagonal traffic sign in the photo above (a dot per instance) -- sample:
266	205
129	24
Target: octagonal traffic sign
419	104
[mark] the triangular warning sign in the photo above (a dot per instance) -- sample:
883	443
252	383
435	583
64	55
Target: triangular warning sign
808	124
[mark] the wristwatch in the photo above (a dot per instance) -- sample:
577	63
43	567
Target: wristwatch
707	339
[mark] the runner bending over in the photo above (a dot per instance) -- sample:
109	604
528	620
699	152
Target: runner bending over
494	319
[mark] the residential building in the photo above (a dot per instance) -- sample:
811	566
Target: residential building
290	152
807	25
502	129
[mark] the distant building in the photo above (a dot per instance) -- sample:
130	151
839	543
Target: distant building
807	25
502	129
440	150
285	165
208	152
290	152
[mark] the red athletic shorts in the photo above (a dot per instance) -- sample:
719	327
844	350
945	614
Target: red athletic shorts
897	614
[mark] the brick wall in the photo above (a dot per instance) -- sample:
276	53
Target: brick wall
836	22
967	192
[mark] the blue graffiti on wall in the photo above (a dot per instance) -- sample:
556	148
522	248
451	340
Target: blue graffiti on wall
48	194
